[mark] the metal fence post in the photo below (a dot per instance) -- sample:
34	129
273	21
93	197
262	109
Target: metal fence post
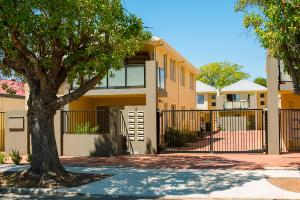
210	132
62	124
266	130
158	115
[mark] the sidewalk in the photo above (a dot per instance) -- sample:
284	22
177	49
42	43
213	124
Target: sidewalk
192	161
179	183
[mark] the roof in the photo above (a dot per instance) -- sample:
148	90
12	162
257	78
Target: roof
156	40
244	86
204	88
19	87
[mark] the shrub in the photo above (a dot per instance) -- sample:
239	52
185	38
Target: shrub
3	158
173	138
15	156
29	158
86	128
177	138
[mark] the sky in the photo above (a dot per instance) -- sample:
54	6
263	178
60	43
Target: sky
203	31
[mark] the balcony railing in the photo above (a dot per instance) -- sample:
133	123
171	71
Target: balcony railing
236	105
129	76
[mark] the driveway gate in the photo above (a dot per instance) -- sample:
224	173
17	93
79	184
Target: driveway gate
238	130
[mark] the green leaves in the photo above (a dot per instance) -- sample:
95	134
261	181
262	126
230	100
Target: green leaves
51	41
276	23
221	74
261	81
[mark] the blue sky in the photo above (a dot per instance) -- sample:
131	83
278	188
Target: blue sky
203	31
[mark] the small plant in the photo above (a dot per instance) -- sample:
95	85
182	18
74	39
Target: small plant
86	128
3	158
29	158
15	156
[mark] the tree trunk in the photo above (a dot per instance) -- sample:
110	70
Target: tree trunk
45	158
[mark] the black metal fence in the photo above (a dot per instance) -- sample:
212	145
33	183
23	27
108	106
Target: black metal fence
289	130
2	131
236	130
85	122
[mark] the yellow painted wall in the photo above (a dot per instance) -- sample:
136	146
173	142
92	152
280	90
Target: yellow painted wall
288	100
91	103
11	104
182	96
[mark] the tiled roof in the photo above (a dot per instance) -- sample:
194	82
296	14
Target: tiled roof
19	87
244	85
203	87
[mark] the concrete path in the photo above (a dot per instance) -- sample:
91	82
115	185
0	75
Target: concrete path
133	183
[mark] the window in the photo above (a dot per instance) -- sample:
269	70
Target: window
172	70
160	78
127	76
262	95
192	81
262	103
233	97
116	78
135	75
182	76
200	99
213	96
165	63
213	104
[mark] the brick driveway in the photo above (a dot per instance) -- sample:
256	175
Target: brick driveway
191	161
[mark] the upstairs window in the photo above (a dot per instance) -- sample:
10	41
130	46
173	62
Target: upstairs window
192	81
172	70
233	97
165	63
160	78
182	76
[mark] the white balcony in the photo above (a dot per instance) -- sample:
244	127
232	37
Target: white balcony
236	105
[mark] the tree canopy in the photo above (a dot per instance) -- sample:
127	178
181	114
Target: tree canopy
221	74
261	81
276	23
52	42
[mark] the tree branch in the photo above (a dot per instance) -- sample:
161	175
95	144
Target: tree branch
63	100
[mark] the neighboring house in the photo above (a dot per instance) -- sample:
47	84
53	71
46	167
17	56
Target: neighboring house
237	97
12	101
243	94
156	78
283	108
206	96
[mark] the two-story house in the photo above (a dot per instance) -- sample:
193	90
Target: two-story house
241	98
243	94
156	78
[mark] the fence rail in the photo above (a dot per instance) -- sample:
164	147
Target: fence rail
289	130
238	130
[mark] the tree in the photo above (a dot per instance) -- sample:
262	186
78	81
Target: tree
221	74
53	42
276	23
261	81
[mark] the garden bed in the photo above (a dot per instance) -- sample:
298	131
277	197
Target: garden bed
25	179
